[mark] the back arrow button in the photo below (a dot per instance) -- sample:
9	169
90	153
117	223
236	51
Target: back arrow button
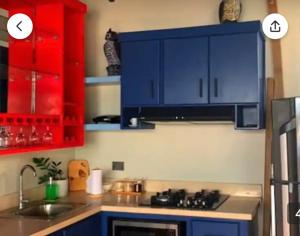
18	25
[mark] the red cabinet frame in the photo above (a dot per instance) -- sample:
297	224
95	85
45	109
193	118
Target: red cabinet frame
46	75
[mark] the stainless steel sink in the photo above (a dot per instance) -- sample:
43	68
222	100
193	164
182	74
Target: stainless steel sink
43	210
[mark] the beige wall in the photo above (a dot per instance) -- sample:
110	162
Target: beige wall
11	165
291	47
3	34
215	153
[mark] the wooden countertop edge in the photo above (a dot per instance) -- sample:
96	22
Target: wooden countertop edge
143	210
68	222
180	212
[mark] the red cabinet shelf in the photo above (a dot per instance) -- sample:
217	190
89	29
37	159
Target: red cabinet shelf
45	75
29	120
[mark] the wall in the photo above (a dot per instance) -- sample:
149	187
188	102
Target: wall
214	153
11	165
291	47
3	32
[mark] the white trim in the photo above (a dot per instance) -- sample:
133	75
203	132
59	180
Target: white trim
284	189
3	44
3	12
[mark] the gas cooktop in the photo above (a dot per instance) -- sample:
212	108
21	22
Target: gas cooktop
202	200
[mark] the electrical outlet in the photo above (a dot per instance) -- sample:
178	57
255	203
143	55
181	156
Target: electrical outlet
118	165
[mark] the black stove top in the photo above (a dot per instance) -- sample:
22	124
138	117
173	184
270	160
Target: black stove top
203	200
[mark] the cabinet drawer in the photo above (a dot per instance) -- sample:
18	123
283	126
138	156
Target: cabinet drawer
205	228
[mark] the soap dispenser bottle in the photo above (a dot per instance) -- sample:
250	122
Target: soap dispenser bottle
51	190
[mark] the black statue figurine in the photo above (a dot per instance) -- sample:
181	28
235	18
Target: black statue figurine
112	53
230	11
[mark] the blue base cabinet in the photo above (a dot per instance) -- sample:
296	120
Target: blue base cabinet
192	226
218	70
90	226
100	225
215	228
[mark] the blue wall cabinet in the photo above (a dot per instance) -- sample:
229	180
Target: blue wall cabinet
140	72
186	71
234	70
212	72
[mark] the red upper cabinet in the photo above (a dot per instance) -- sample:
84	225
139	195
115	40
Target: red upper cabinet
45	78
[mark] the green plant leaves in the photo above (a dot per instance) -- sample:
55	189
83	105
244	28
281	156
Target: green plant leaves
50	167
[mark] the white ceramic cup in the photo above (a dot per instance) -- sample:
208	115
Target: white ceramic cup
134	121
62	187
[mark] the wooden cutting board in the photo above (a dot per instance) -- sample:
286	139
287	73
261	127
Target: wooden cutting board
78	172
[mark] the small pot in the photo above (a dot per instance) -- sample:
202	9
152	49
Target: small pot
62	187
128	186
123	186
138	187
118	187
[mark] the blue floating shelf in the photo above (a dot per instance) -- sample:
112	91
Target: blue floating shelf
102	127
103	80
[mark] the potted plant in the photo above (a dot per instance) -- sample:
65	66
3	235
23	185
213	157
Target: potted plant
52	169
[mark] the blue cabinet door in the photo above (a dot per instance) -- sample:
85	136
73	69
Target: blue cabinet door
186	71
206	228
58	233
90	226
140	73
234	68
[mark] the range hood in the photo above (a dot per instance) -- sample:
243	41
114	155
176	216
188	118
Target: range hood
244	116
187	114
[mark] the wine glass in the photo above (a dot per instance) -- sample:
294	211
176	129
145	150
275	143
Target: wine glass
11	141
3	138
20	138
47	136
34	138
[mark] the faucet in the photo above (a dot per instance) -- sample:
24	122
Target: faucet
22	201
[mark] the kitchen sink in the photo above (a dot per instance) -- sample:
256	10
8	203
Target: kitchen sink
43	210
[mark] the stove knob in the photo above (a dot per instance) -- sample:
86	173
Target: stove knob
189	202
199	203
204	204
157	194
195	203
207	203
180	203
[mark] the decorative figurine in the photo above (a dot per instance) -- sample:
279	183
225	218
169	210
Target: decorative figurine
230	11
112	53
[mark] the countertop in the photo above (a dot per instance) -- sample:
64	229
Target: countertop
235	208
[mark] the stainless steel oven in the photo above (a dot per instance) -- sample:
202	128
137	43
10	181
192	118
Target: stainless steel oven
132	227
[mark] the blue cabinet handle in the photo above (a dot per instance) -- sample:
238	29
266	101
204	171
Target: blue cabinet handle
201	87
152	89
216	87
